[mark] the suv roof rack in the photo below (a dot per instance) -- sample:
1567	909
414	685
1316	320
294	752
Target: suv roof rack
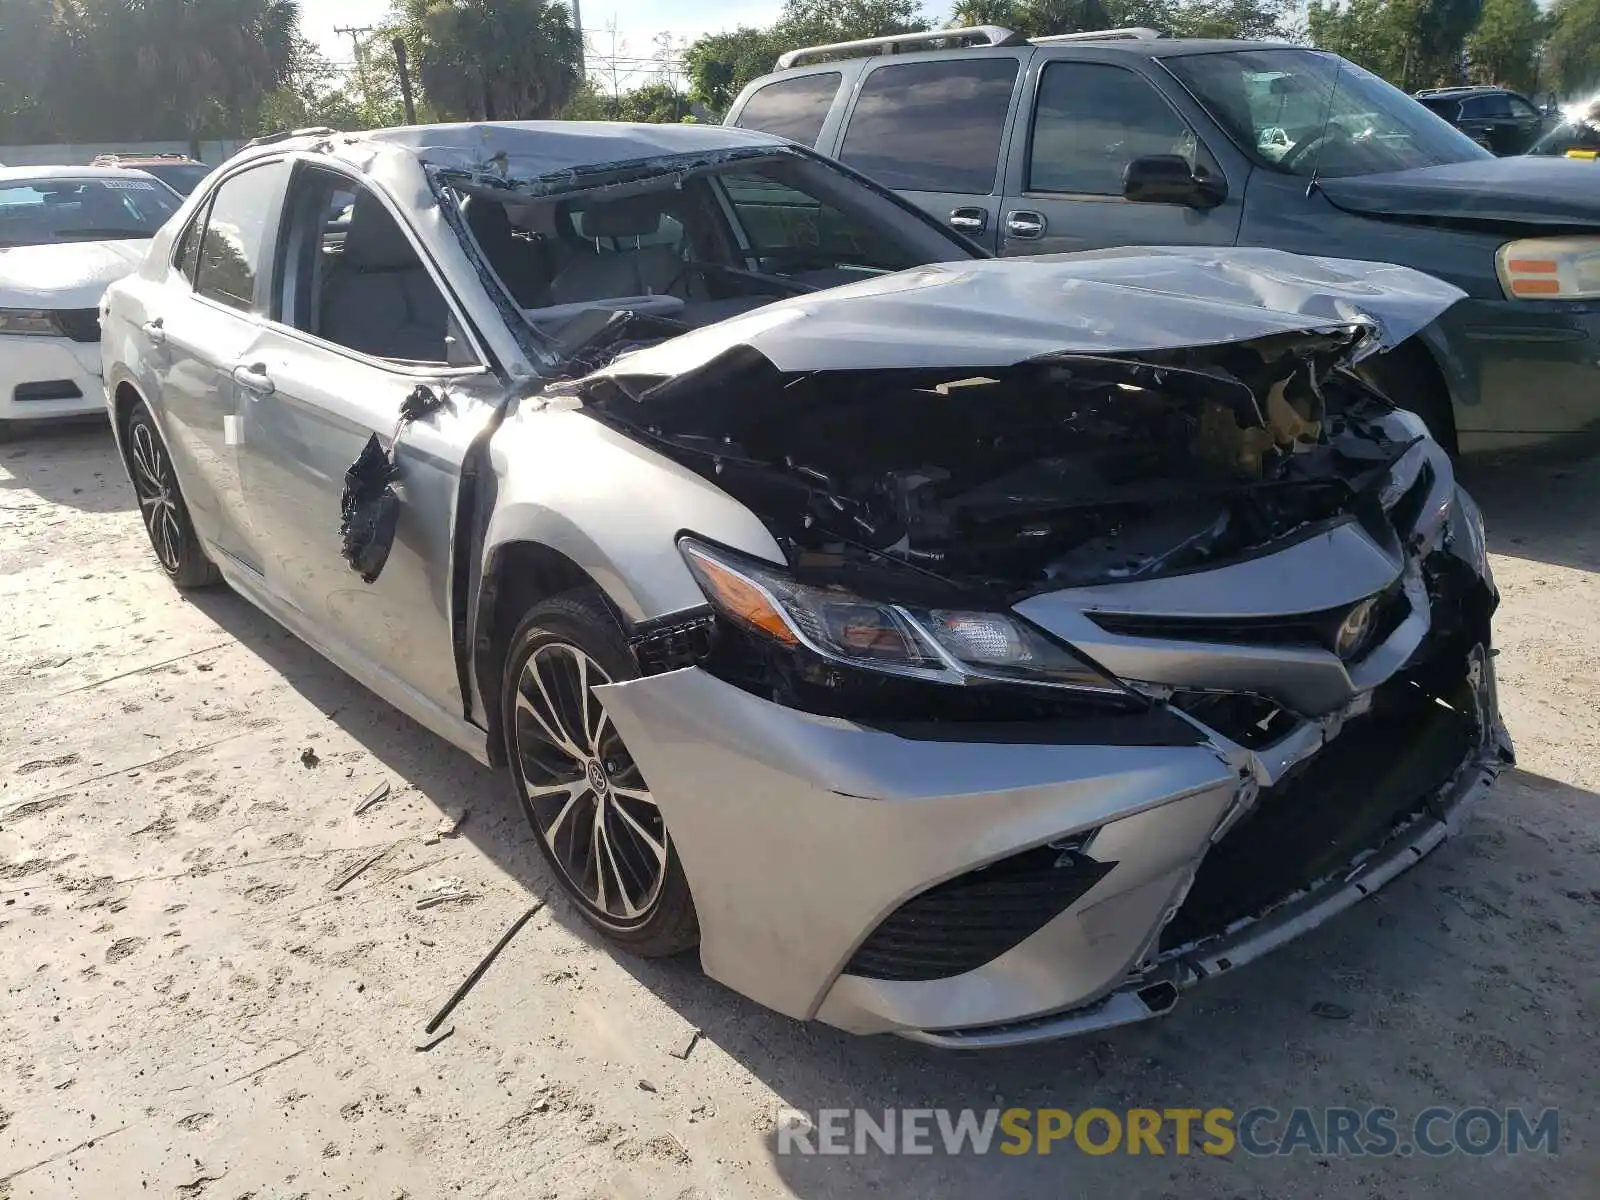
1130	33
899	43
1445	91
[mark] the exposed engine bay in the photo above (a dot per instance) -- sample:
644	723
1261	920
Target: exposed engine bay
1062	471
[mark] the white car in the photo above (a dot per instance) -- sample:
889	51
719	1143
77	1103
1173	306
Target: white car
65	234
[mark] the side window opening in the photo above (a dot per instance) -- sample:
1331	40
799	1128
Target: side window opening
238	234
792	108
352	277
932	126
1091	120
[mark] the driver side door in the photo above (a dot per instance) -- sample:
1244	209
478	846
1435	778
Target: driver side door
1087	120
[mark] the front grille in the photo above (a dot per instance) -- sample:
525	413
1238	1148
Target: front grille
960	924
1316	629
79	324
46	389
1385	767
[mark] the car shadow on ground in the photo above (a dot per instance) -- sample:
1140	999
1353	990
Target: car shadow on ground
66	464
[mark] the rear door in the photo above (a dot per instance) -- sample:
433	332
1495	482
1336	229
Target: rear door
1085	121
1487	120
935	130
197	335
1529	122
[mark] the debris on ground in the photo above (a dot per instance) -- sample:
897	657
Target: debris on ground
685	1045
360	865
431	1040
646	1086
483	966
449	825
308	757
377	794
1331	1012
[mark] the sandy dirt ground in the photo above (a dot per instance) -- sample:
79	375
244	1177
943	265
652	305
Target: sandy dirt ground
190	1009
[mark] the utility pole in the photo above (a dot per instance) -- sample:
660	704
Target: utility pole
355	33
577	25
405	80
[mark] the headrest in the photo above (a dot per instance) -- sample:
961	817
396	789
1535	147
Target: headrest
488	220
636	216
374	241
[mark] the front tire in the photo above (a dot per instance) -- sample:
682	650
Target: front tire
591	812
166	516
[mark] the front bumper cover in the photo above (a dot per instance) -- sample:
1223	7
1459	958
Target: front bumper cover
802	835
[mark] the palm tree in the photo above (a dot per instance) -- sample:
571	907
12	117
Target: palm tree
493	59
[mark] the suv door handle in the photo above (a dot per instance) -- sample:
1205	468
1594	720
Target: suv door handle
1024	223
155	331
254	380
969	220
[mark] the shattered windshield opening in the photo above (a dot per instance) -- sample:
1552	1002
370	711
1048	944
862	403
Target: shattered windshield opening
683	249
1305	112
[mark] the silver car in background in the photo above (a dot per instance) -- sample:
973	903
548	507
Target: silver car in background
982	651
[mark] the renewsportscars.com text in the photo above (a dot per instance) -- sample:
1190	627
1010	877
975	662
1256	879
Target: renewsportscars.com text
1260	1131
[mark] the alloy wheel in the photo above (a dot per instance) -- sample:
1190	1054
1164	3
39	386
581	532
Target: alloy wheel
158	496
584	792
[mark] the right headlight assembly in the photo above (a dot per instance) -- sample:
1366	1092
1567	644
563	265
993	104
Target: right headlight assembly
1553	268
937	645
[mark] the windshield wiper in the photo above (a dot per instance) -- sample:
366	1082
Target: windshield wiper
106	234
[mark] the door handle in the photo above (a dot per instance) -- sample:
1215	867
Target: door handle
254	380
969	220
155	331
1024	223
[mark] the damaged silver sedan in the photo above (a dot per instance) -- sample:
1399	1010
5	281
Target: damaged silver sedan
981	651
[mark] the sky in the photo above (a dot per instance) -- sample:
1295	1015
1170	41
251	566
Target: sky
637	22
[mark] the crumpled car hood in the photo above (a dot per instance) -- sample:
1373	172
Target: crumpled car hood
1519	190
1000	312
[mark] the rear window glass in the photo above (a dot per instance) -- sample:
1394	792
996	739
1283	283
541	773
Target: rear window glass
932	126
792	108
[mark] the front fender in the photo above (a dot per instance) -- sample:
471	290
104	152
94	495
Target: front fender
612	506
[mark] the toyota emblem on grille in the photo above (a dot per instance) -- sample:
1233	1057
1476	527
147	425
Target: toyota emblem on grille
1357	628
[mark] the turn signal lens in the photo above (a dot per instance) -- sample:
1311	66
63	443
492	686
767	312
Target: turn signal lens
1550	268
737	596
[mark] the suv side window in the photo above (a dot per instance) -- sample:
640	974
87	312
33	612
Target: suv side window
1521	109
932	126
1091	120
234	248
1483	107
792	108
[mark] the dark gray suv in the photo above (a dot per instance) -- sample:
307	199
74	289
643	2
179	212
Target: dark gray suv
1127	138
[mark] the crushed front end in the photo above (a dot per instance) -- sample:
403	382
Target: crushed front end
1082	679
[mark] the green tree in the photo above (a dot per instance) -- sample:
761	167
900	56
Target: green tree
1574	49
492	59
719	65
1503	48
655	103
1411	43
